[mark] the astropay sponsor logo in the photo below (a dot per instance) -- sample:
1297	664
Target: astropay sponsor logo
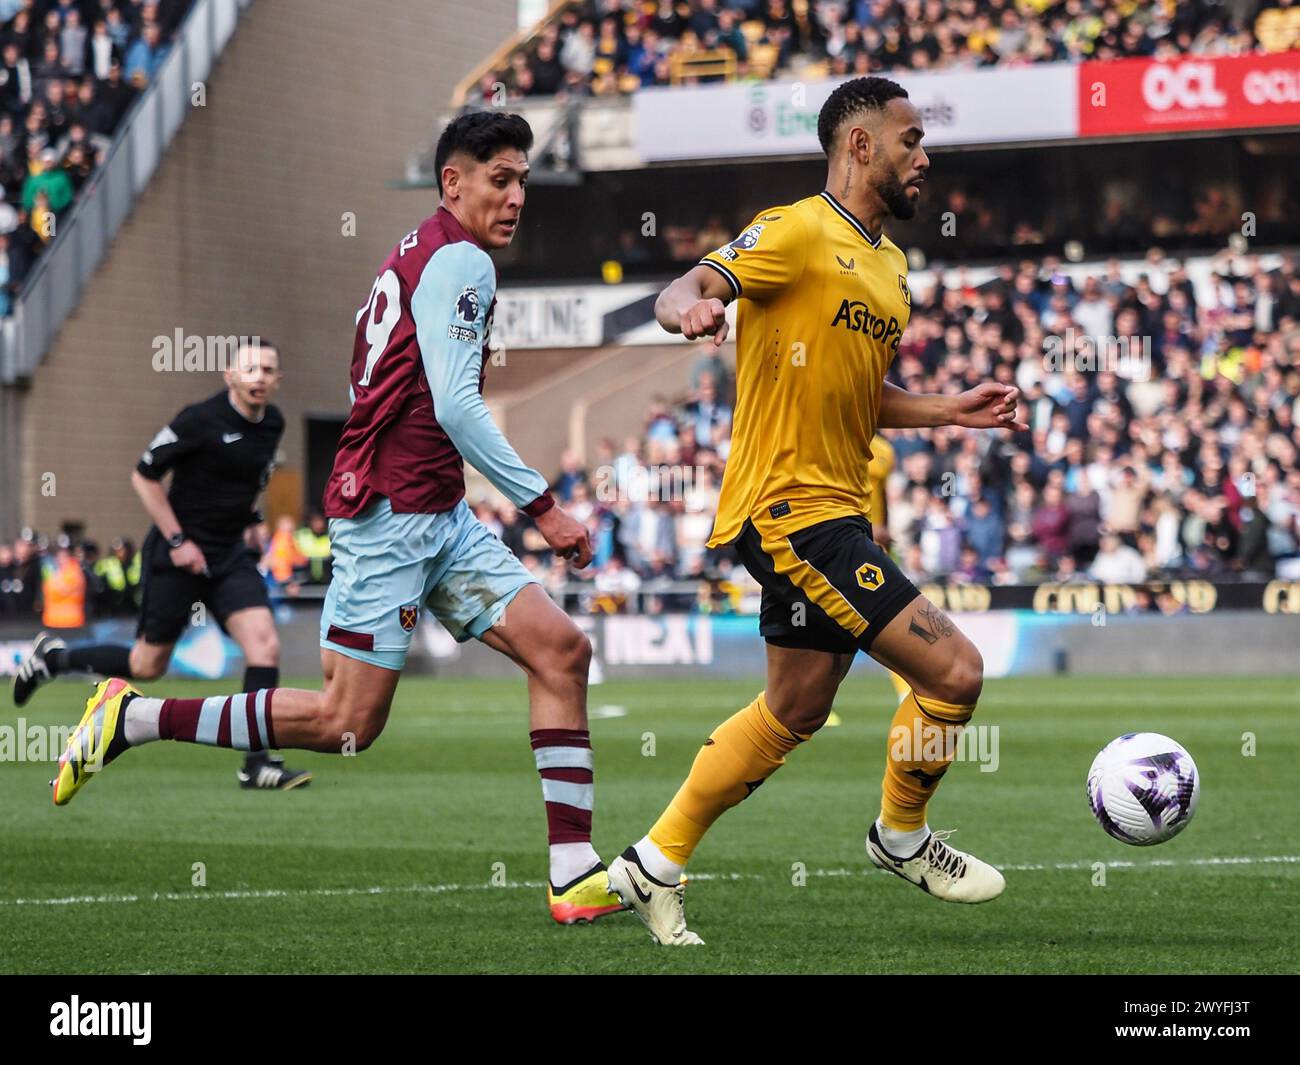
102	1018
1205	92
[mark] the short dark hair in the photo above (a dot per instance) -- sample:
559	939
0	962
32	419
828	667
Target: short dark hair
480	135
258	342
859	94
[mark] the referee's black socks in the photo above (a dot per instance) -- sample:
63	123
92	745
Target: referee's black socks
256	678
114	660
106	659
259	677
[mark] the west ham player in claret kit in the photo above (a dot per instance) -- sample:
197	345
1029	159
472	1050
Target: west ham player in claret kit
404	539
220	454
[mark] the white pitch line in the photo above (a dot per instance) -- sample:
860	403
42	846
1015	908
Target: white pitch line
1158	863
271	893
537	885
608	711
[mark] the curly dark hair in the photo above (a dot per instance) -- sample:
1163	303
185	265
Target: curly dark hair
479	135
852	96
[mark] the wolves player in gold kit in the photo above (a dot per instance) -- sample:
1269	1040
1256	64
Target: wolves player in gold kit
823	303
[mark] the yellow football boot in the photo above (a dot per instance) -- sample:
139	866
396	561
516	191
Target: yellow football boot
585	899
88	746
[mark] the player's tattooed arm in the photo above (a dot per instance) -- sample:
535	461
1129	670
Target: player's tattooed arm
988	405
930	624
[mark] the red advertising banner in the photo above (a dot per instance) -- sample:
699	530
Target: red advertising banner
1188	93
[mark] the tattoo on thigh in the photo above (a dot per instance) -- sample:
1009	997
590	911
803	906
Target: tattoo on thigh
930	624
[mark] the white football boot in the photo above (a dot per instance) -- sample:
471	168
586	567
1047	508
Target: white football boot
660	907
940	870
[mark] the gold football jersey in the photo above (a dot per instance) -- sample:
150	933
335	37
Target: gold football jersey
878	471
822	309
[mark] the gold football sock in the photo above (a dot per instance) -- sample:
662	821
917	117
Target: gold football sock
922	743
743	752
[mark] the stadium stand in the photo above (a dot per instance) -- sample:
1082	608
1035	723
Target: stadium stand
69	71
1167	457
1184	465
1179	460
611	47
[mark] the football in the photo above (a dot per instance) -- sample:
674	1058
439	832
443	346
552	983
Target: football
1143	788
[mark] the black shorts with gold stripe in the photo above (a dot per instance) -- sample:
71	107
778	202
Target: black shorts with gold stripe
829	587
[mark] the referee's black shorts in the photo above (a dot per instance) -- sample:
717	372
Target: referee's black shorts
168	594
829	587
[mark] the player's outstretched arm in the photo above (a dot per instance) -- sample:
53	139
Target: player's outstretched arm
986	406
694	306
449	307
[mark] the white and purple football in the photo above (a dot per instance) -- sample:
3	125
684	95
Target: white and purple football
1143	788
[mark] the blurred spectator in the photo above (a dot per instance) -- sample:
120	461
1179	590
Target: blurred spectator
571	475
1117	563
63	589
145	57
984	531
706	411
1051	523
313	544
72	43
119	574
46	176
614	585
282	557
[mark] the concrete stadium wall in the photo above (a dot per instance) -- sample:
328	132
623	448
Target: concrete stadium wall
617	408
310	114
602	392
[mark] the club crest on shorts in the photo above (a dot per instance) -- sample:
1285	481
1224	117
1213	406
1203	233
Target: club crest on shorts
870	576
408	616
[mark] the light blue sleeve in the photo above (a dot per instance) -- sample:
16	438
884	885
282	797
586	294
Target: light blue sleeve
450	307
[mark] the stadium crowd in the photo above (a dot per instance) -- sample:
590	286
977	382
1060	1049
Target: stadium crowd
69	71
608	47
69	581
1164	443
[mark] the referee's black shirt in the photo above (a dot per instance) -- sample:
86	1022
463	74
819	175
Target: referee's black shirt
220	461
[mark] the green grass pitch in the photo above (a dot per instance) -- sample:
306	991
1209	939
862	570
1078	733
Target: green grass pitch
386	862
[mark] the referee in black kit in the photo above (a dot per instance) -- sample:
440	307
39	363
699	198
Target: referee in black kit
220	453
